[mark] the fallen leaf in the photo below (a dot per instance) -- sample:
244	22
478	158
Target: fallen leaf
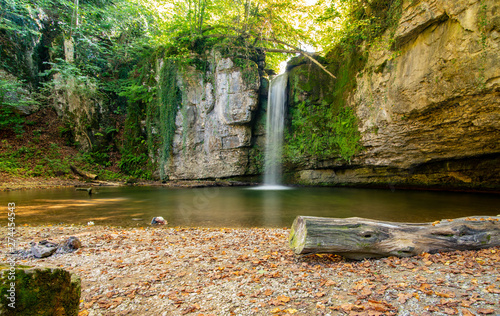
450	311
276	310
492	289
104	304
191	309
330	283
268	292
446	295
425	287
366	292
290	311
283	298
466	312
402	298
486	311
275	302
380	306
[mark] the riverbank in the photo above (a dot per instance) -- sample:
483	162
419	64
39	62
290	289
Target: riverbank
10	183
202	271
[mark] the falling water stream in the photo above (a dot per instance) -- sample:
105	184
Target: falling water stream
274	131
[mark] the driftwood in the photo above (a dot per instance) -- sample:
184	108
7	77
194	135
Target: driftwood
102	183
89	190
83	174
359	238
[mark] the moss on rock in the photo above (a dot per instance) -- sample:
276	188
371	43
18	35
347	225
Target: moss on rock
39	291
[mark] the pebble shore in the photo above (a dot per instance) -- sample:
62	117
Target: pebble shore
227	271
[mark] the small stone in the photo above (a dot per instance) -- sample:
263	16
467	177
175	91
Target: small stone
71	244
158	221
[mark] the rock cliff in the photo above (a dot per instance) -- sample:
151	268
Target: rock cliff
214	124
426	99
427	102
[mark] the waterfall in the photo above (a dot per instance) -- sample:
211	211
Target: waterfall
274	129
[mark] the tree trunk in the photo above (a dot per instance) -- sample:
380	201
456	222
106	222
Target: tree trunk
359	238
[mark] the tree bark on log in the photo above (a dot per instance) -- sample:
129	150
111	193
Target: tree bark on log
360	238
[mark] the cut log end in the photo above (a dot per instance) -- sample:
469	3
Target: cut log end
298	235
358	238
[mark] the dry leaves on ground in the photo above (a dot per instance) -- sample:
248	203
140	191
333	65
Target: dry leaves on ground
201	271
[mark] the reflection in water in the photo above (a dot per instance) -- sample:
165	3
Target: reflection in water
270	187
237	207
271	208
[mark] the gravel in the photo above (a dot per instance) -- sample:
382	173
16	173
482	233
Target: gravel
226	271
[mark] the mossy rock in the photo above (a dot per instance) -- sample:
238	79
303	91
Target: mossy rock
308	82
39	291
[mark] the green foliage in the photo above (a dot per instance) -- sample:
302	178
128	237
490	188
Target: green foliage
327	128
161	115
322	132
9	166
12	98
347	23
48	162
118	43
11	119
19	33
67	76
134	160
154	97
250	73
135	165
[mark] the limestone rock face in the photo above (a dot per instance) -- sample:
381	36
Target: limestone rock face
429	102
78	100
214	125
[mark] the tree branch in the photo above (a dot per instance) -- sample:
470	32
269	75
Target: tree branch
306	54
276	50
294	48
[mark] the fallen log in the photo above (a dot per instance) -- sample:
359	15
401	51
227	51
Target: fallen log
83	174
360	238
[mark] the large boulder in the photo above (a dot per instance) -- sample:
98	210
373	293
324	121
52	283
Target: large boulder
38	291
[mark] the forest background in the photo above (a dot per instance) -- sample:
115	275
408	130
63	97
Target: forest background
104	51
